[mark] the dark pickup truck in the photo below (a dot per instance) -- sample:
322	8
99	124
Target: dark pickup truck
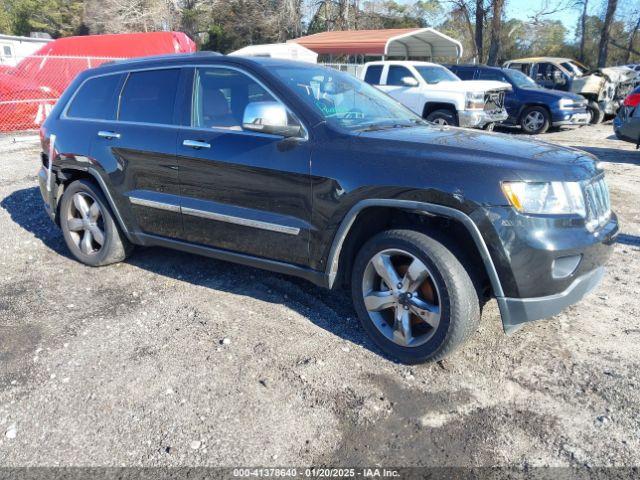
304	170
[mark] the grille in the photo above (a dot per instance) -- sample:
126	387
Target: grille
597	203
493	100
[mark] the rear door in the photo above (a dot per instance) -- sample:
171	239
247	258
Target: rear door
138	149
242	191
631	125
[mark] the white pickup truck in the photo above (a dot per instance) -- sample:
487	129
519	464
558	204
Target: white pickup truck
438	95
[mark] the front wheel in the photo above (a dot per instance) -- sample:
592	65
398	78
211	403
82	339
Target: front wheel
442	117
596	113
535	120
413	296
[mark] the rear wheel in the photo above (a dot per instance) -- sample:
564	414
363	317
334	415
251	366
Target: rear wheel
597	115
535	120
413	297
88	226
442	117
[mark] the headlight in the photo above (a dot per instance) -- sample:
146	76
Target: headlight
546	198
569	103
475	101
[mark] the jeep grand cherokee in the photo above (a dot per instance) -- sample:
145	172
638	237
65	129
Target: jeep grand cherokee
300	169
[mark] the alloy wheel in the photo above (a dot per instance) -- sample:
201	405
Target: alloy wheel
401	297
85	223
440	121
534	121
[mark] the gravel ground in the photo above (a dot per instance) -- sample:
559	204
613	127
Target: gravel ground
174	359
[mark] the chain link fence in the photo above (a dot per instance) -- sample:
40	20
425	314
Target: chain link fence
352	68
29	90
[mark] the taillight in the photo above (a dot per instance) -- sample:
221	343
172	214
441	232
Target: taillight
632	100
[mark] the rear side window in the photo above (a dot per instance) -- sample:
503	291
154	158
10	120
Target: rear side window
149	96
372	75
96	99
463	73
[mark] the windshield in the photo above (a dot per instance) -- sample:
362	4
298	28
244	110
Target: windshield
345	101
433	75
520	79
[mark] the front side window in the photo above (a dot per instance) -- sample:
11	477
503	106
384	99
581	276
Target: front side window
343	100
221	96
433	74
397	75
149	96
96	99
6	49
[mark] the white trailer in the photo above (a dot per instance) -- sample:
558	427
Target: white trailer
13	49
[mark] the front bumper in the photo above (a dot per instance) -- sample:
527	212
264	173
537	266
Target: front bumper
544	264
565	117
480	118
517	311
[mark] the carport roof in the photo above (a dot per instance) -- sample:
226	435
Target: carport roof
395	42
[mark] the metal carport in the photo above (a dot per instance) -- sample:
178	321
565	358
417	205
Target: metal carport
397	42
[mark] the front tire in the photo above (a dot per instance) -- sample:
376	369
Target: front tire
413	296
597	115
535	120
442	117
89	228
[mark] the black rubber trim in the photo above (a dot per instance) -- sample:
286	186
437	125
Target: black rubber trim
517	311
318	278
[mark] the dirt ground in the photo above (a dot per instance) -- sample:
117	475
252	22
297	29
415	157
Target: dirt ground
126	365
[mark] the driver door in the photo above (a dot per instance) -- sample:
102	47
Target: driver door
402	85
242	191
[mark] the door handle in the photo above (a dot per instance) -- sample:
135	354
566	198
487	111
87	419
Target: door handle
196	144
108	135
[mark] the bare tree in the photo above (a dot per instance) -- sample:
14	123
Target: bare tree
496	30
583	29
632	38
603	48
480	30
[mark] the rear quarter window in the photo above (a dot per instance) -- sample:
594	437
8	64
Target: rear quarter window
96	98
463	73
149	96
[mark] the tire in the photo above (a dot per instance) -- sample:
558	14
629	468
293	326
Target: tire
535	120
442	117
443	311
106	244
597	115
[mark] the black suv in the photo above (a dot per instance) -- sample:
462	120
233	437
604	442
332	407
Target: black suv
305	170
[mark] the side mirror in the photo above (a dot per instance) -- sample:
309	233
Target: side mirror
409	81
269	117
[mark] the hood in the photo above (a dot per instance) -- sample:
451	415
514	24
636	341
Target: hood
552	94
619	74
519	158
471	86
